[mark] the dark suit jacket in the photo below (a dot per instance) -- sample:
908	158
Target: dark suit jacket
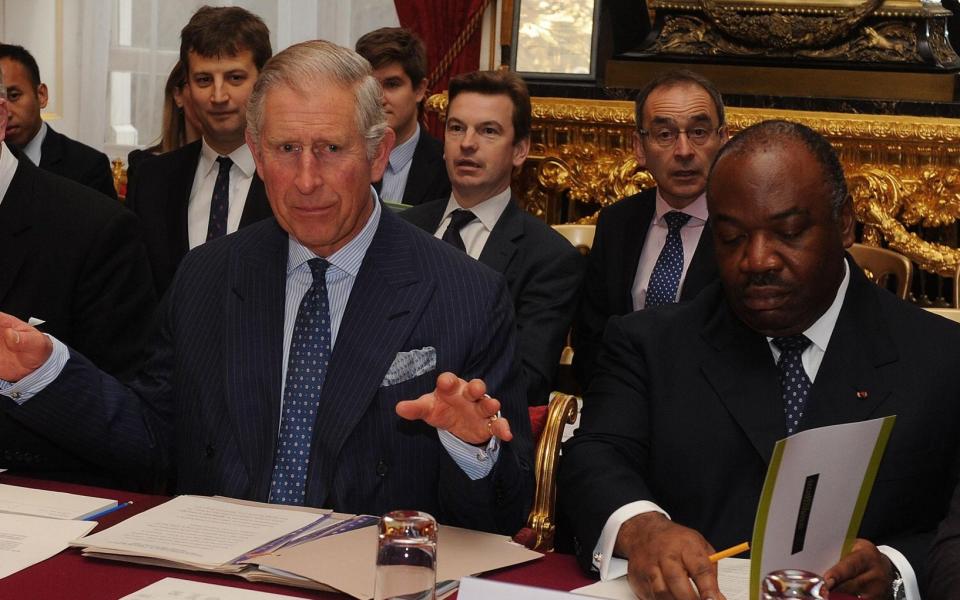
685	409
427	179
943	564
79	162
612	267
75	259
543	272
159	194
208	402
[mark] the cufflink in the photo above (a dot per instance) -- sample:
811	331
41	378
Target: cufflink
598	557
15	395
862	394
482	455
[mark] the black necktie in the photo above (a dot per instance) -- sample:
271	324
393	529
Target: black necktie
220	202
665	278
458	219
794	384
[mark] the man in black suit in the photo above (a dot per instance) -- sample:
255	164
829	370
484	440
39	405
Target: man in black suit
687	403
415	173
943	563
208	188
680	128
74	261
52	151
488	134
309	358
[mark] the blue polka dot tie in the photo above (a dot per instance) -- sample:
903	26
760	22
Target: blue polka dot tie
306	370
794	383
220	201
665	278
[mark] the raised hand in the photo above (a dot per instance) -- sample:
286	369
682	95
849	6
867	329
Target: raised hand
462	408
23	349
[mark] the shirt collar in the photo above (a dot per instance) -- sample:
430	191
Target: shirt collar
34	148
402	154
347	259
696	209
819	333
488	211
8	166
241	157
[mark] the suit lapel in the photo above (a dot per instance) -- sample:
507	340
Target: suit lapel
703	266
502	243
178	199
51	150
254	349
742	373
423	170
16	220
849	385
634	236
385	303
427	216
256	207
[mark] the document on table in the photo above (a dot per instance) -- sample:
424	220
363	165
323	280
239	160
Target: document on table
733	575
182	589
44	503
198	532
817	486
347	562
26	540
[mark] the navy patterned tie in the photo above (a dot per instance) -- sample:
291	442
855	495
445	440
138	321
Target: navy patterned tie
794	383
220	201
458	219
306	370
665	278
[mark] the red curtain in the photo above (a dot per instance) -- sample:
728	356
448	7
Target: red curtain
451	31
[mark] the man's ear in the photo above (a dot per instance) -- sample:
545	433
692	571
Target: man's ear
520	151
638	149
42	94
255	151
848	223
379	162
420	90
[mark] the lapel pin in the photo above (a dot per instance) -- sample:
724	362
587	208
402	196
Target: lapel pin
862	394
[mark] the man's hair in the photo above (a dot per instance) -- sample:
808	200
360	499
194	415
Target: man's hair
22	56
494	83
767	134
674	79
308	68
216	31
389	45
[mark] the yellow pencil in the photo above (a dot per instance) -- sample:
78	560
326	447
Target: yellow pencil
738	549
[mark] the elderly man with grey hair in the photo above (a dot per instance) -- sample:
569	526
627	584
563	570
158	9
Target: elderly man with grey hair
330	356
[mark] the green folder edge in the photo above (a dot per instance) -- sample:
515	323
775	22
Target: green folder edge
760	525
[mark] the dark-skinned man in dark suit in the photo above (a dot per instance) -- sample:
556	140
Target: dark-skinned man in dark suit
634	233
487	136
310	358
49	149
687	402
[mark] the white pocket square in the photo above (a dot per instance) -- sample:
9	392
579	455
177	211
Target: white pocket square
410	364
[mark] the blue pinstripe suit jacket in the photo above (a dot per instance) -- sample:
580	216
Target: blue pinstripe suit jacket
207	405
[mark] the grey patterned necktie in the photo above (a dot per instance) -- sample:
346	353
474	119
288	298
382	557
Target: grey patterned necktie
794	384
665	278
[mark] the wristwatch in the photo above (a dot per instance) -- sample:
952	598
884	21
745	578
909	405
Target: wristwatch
898	591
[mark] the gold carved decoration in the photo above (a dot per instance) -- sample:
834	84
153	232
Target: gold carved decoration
784	31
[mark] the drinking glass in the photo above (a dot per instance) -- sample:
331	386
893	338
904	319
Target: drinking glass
793	584
406	556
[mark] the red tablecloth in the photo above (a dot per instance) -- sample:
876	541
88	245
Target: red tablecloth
70	576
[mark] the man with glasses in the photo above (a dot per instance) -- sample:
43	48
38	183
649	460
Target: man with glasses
654	247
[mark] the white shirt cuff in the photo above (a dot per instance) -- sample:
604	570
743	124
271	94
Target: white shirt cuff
609	566
476	462
33	384
900	561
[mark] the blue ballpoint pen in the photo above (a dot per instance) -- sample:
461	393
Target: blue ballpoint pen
107	511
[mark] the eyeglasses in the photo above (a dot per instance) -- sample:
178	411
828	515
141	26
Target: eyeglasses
666	137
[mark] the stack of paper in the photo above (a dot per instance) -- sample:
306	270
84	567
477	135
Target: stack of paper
53	505
281	544
26	540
